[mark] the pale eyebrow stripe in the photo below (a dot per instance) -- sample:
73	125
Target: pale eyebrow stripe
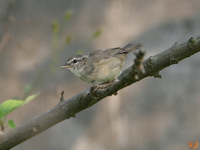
78	59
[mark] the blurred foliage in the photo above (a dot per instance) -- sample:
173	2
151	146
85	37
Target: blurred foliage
97	33
55	26
68	39
58	47
68	14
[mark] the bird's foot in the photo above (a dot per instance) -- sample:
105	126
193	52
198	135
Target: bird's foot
104	85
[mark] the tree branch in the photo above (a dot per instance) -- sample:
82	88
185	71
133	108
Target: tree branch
68	108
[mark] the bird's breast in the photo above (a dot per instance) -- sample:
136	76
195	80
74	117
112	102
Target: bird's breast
108	69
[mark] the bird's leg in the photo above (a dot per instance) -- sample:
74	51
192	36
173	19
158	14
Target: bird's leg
101	86
105	84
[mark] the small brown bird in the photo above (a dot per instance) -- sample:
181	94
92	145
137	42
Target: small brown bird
100	67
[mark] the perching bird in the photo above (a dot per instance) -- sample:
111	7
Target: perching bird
100	67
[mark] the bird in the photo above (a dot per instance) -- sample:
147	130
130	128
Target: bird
100	68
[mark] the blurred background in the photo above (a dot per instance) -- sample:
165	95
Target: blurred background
36	37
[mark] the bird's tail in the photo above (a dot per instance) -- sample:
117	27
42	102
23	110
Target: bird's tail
131	47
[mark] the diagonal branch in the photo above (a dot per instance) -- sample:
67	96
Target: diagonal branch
68	108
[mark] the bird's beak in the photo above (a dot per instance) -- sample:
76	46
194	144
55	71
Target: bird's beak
66	66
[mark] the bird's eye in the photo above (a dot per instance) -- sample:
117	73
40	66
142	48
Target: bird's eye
74	61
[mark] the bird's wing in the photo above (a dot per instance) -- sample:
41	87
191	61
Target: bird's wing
130	48
98	55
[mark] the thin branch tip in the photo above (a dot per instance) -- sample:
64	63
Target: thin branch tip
138	63
192	42
157	75
62	96
177	43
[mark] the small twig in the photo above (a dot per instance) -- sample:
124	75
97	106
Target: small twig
138	67
62	96
138	61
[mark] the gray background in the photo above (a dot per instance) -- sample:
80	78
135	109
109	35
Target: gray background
151	114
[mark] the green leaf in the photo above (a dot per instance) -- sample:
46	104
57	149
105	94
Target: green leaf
97	33
11	124
1	114
68	14
10	105
30	98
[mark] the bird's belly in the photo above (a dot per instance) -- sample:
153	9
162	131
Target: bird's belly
109	69
105	70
